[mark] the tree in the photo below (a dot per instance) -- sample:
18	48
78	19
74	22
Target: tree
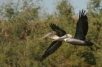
95	27
65	9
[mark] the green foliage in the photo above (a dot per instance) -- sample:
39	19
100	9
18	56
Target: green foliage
21	46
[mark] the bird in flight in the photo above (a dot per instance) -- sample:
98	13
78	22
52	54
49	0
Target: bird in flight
78	39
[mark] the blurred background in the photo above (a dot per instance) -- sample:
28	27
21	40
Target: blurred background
24	22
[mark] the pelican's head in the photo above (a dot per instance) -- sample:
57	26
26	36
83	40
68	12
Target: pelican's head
69	35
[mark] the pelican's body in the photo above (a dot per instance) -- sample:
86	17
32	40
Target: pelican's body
74	41
77	42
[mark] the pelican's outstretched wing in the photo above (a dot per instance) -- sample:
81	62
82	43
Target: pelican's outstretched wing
51	49
82	26
59	31
55	44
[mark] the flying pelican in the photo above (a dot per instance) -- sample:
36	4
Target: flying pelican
79	38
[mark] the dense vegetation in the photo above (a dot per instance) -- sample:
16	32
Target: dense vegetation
22	26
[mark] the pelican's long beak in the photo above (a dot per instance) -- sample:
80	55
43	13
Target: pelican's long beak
47	35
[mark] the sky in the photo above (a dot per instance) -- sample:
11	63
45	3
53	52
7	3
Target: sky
77	4
49	5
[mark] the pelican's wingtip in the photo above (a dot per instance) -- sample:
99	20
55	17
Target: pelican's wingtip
41	59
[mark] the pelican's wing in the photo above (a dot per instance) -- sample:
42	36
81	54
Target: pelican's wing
51	49
58	30
82	26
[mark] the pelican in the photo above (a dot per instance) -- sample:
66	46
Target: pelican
78	39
